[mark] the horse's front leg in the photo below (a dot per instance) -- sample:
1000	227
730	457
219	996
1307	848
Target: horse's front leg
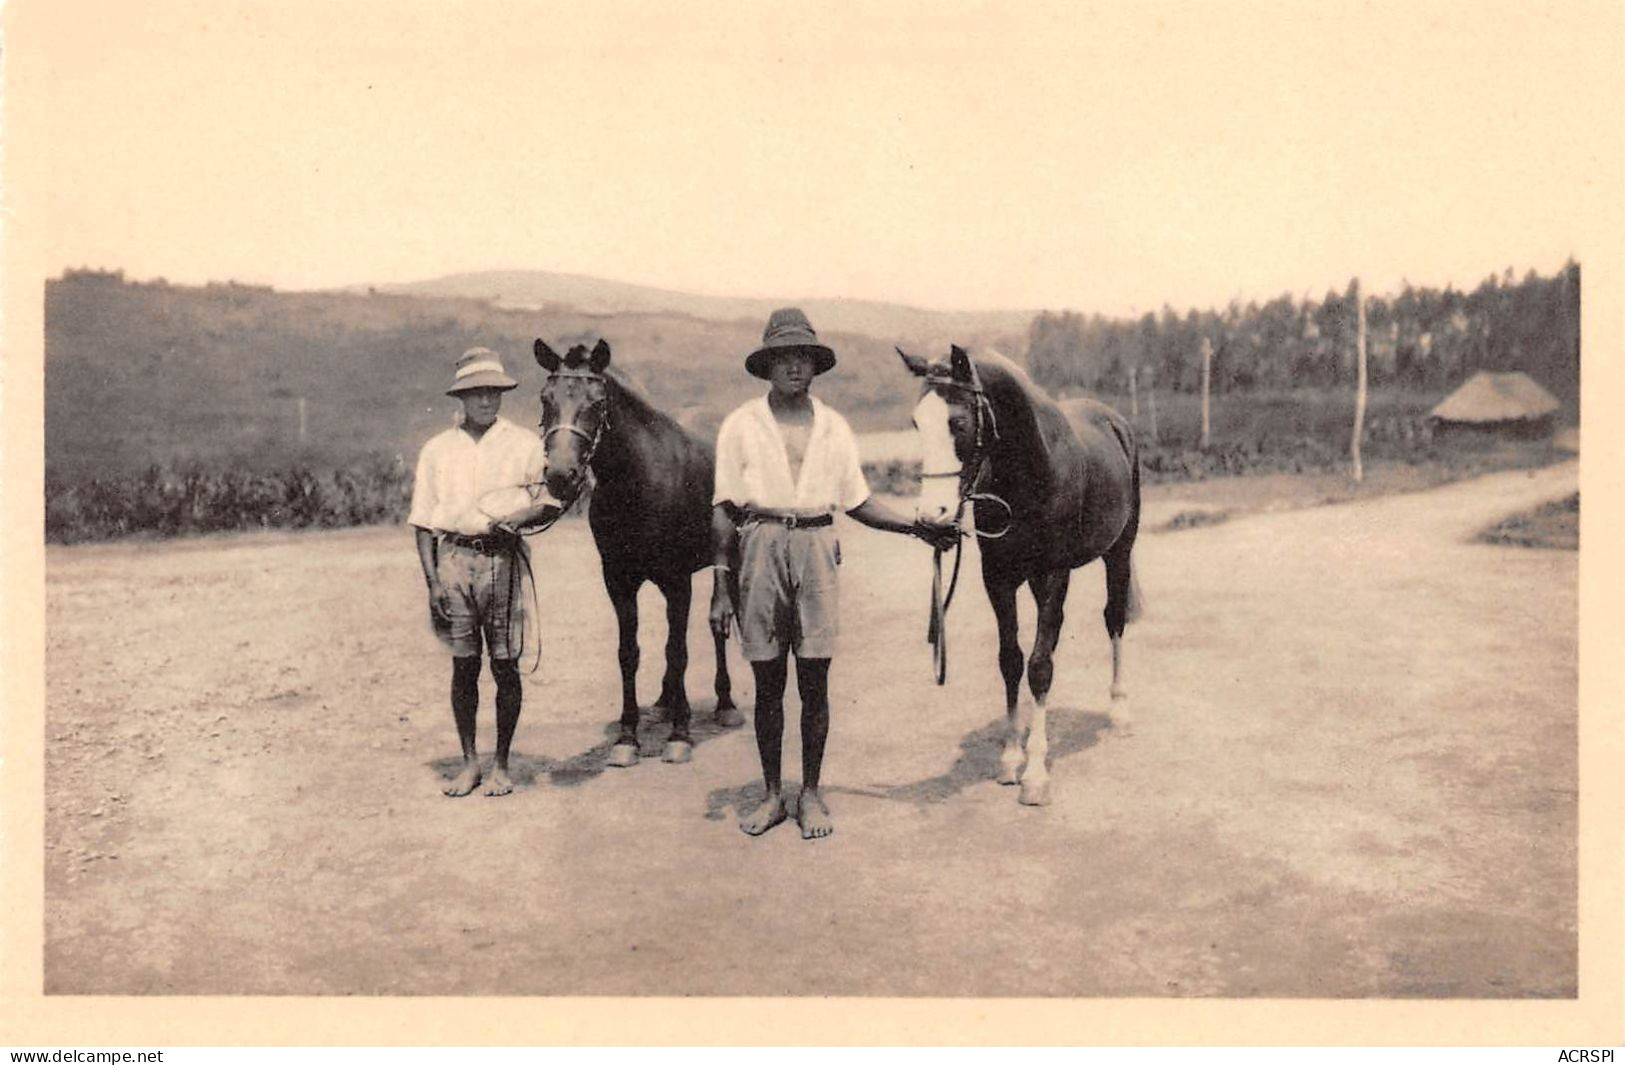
1050	591
1002	595
623	596
673	690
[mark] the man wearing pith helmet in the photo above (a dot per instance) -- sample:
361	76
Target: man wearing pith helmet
785	464
473	558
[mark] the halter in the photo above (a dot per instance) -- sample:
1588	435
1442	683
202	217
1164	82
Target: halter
971	474
594	438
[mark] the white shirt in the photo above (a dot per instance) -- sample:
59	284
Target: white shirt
753	468
455	471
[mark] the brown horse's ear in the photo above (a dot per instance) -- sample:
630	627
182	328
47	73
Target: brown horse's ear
600	356
959	360
545	356
916	365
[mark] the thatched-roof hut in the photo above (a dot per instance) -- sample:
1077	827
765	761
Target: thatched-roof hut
1511	403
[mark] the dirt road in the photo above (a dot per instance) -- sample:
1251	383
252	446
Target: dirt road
1350	772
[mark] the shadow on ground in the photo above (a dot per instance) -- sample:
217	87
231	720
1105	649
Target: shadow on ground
1070	731
653	728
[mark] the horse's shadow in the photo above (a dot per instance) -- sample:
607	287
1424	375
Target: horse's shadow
1070	731
654	726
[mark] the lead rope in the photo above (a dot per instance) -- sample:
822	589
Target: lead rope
937	633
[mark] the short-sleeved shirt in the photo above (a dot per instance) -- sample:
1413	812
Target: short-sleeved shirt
454	471
753	467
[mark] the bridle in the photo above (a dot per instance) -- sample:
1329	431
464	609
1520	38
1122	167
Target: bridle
594	438
972	474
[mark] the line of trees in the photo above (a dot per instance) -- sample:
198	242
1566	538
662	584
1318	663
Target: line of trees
1423	338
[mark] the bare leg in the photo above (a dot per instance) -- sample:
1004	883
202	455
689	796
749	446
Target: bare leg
770	680
510	698
812	682
1050	591
1003	597
465	704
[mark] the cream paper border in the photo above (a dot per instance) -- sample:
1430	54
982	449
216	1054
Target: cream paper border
27	1018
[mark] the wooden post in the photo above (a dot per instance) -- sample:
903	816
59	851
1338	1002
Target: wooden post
1207	383
1360	380
301	421
1134	394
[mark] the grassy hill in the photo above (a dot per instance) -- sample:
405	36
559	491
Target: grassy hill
140	373
895	323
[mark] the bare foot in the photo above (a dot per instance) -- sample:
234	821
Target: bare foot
765	816
498	783
464	782
813	816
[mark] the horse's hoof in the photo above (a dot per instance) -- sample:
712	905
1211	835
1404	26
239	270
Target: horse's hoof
730	716
1119	695
1034	794
1009	774
623	755
677	752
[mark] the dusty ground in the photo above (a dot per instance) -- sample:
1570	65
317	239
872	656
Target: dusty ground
1350	772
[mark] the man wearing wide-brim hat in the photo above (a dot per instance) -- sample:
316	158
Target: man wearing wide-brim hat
786	463
477	484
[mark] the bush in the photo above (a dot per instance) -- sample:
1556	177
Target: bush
187	499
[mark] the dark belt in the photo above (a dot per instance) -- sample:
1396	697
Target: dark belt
790	521
490	544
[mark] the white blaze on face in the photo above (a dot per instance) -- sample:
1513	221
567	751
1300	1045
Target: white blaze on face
939	496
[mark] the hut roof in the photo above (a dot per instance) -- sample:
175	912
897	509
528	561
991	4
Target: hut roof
1496	397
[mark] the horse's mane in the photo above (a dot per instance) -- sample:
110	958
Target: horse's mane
627	396
1002	377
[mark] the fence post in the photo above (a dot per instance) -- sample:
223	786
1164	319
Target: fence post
1360	380
1207	382
301	421
1134	394
1151	400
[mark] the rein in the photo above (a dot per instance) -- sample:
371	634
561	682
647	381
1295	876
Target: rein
971	476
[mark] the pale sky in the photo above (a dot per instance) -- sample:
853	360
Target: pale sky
1105	158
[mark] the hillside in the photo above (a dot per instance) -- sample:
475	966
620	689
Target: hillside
137	373
532	289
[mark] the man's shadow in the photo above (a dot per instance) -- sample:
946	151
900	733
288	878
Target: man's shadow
1070	731
654	727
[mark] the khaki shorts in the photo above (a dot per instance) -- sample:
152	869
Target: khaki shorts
487	601
787	591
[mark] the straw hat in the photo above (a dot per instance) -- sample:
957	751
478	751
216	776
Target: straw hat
480	368
788	330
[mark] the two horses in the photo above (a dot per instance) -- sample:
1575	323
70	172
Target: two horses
990	436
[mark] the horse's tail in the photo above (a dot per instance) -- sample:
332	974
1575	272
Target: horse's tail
1136	601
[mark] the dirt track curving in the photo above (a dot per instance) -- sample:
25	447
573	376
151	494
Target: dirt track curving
1351	772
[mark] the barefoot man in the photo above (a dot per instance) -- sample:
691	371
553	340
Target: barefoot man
471	562
785	464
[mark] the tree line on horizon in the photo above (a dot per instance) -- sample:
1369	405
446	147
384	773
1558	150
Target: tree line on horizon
1422	339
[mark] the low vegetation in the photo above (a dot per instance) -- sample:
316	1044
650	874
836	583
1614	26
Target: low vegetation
1555	524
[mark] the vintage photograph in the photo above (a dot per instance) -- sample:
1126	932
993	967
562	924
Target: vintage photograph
893	501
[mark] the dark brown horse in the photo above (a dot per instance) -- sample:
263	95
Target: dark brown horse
1073	492
650	516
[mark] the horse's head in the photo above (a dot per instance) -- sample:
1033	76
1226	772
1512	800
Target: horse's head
575	413
955	422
